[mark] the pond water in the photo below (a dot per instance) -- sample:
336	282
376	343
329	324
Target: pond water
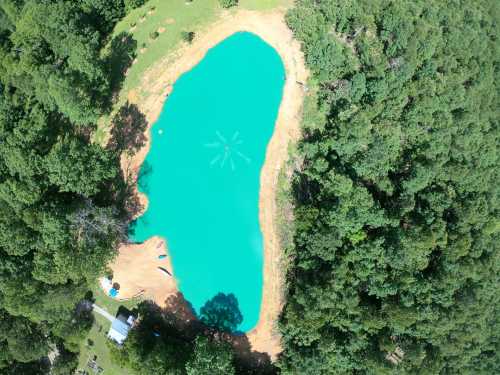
202	173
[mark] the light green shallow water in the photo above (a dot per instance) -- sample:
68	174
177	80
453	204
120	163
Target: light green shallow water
202	173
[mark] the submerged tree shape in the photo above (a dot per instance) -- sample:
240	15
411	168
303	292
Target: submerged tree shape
222	312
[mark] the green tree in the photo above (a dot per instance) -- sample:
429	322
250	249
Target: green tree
228	3
104	13
394	246
154	346
55	186
210	358
132	4
58	59
77	167
188	36
65	363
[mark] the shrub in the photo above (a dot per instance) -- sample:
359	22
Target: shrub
132	4
228	3
188	36
154	35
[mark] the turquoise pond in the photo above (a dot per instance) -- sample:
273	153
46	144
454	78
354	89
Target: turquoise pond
202	173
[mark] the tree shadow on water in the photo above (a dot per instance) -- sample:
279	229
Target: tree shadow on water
222	313
145	171
169	334
218	320
221	316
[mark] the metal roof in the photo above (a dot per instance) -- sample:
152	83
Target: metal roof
119	330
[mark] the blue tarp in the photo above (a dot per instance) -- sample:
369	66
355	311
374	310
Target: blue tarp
113	292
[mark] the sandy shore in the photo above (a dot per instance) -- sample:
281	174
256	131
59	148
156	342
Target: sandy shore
136	271
150	96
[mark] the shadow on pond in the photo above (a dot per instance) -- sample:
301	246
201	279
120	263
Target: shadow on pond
146	170
176	331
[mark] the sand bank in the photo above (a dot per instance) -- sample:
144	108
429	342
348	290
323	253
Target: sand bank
150	96
135	269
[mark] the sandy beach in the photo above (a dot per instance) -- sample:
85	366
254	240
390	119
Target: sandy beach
136	271
150	97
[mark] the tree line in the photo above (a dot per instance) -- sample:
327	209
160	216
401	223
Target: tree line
61	214
394	263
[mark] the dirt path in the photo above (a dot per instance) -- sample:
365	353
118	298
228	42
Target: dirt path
103	313
150	96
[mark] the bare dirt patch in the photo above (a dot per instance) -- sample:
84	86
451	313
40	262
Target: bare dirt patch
135	269
154	89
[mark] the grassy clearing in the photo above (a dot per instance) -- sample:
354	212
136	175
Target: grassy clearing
97	338
98	335
175	16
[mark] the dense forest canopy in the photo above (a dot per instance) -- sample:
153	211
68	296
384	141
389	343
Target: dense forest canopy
60	219
394	265
395	256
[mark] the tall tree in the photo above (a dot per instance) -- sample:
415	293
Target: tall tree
210	358
57	57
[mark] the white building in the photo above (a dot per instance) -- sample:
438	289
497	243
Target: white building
120	328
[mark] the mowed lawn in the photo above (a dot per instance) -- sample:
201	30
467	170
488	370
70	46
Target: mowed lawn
175	16
98	344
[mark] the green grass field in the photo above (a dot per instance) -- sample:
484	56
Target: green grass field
98	335
99	341
187	17
175	16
